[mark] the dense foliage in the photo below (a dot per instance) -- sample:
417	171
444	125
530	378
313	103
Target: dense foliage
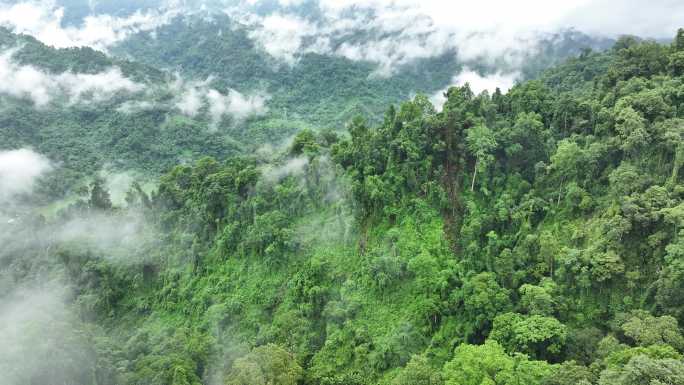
531	237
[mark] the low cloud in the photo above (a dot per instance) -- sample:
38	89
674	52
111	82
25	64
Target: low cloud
113	236
25	81
116	237
478	83
281	36
44	21
389	39
655	18
195	99
235	104
19	172
658	19
393	33
135	106
390	33
118	183
292	167
190	101
196	95
42	339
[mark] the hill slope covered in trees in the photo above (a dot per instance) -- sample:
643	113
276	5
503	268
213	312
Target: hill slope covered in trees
531	237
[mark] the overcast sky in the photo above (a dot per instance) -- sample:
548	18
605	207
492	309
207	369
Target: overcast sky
652	18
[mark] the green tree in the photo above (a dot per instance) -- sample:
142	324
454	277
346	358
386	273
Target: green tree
484	299
569	373
538	336
670	283
645	330
99	196
481	143
489	364
537	299
676	63
418	371
567	163
525	142
304	143
679	40
265	365
631	127
645	370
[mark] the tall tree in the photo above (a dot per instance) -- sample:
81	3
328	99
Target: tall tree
679	40
456	119
99	196
481	143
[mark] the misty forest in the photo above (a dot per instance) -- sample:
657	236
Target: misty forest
334	192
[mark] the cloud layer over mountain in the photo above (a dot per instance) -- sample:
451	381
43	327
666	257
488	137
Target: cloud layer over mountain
43	19
195	95
19	170
25	81
388	33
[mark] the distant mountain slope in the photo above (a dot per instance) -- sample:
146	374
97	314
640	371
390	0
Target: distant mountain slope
322	89
58	101
314	89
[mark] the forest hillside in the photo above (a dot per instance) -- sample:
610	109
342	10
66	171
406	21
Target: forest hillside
177	208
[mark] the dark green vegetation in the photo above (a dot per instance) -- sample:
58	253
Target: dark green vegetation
532	237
